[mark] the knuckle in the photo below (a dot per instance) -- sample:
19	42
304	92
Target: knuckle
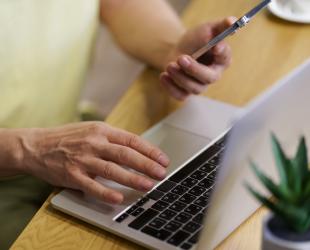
97	128
154	153
107	170
134	141
134	180
151	168
192	68
123	155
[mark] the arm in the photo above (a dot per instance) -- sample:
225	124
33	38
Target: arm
10	153
148	30
151	31
73	155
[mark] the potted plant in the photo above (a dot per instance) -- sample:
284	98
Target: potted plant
288	225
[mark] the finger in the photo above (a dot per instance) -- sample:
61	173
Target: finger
129	157
121	137
202	73
176	91
220	26
182	80
95	189
221	55
114	172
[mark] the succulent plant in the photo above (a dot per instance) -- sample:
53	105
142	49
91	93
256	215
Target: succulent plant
290	200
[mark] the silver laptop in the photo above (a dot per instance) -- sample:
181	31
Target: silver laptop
203	199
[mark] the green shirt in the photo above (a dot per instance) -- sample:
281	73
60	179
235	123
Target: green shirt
44	54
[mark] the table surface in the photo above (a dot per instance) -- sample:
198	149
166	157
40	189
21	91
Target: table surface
262	53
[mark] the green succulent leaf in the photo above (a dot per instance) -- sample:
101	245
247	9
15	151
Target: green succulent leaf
297	182
282	163
274	189
300	160
291	200
306	189
295	217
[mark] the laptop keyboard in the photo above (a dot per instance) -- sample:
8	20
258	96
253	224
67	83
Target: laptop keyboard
174	210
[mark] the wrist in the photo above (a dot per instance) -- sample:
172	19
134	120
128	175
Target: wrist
16	151
11	153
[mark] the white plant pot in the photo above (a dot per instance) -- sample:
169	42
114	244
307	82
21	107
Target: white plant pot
272	242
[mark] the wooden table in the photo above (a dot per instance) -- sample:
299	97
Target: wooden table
263	52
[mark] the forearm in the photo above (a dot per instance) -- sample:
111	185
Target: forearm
145	29
10	152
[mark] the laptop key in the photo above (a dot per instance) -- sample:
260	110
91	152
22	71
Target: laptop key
202	201
191	227
160	205
173	226
180	190
207	167
197	190
212	175
142	201
170	197
178	238
214	160
193	209
183	172
198	175
194	239
138	211
157	223
155	195
166	186
183	217
206	183
131	209
122	217
178	206
186	246
187	198
189	182
167	214
208	193
198	218
144	218
159	234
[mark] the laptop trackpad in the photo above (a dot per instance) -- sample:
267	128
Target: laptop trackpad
178	144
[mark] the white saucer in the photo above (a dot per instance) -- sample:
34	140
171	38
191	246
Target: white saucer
285	13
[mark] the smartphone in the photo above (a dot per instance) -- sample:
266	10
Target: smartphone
243	21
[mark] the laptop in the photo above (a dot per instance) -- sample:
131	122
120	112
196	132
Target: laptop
203	199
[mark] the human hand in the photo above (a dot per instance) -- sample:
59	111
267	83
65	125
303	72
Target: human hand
183	75
73	155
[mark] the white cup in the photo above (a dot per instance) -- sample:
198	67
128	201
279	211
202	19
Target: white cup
296	6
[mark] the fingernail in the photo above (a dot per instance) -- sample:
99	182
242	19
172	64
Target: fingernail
116	198
163	160
184	61
160	173
147	185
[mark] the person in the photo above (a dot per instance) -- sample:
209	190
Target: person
45	49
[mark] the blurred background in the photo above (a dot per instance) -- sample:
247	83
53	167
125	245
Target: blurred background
112	71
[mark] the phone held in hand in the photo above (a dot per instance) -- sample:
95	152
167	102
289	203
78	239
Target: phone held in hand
241	22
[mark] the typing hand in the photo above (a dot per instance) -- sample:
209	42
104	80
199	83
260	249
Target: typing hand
183	75
72	155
